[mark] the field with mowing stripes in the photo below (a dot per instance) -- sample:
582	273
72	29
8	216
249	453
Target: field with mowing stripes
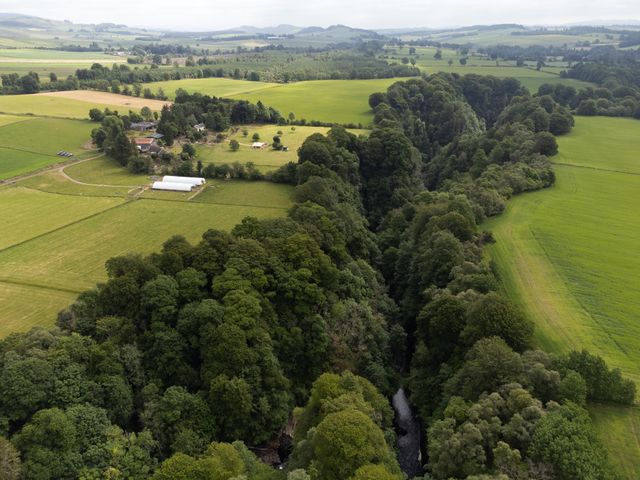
59	233
29	143
569	256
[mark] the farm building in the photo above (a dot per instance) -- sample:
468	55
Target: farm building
146	145
200	127
142	126
173	186
258	145
190	180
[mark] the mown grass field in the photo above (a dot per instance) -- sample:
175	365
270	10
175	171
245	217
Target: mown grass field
568	255
339	101
27	144
60	233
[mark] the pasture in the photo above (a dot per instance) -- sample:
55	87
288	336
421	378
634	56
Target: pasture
265	159
27	144
60	232
567	254
339	101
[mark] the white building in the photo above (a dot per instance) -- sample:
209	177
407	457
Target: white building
190	180
173	186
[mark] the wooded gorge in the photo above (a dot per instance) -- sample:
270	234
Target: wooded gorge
188	362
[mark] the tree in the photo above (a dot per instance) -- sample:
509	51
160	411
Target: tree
438	54
463	61
256	137
146	113
234	145
494	315
344	442
565	438
189	150
96	115
573	388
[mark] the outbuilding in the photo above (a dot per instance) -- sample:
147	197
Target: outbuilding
195	181
143	126
173	186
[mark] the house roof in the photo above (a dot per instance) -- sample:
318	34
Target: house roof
144	141
143	124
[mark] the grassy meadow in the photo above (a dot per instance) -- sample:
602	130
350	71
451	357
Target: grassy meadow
265	159
339	101
567	254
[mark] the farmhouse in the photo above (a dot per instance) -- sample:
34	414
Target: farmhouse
258	145
142	126
200	127
146	145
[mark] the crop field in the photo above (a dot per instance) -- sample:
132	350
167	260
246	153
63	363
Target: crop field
567	254
111	99
27	144
60	233
339	101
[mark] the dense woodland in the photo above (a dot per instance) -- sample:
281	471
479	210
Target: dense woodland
187	363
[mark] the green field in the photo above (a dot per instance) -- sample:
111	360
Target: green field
43	105
502	35
43	62
482	65
218	87
265	159
339	101
60	233
568	254
27	144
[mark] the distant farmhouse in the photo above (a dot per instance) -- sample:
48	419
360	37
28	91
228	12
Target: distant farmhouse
200	127
258	145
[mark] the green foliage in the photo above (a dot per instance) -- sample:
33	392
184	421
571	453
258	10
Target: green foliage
602	384
565	439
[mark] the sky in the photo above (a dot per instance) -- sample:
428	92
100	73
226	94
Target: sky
216	14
